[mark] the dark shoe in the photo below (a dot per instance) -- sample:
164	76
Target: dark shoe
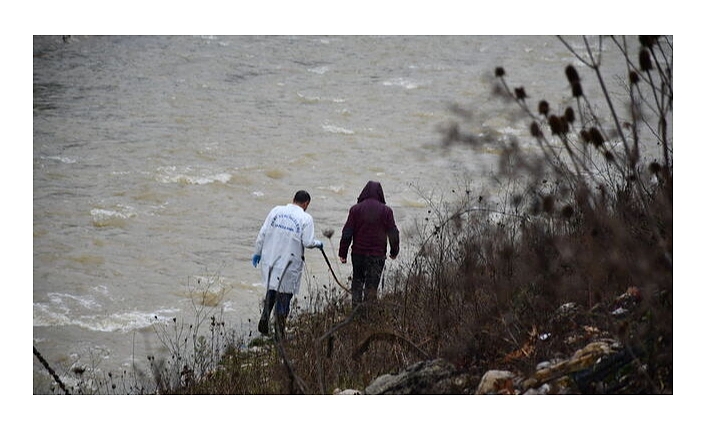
263	326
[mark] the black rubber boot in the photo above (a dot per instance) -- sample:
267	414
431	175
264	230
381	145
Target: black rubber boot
264	325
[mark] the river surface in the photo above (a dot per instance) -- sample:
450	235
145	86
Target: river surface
156	159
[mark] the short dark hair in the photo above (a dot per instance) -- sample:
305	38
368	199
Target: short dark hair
302	196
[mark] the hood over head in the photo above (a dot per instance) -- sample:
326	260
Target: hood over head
372	190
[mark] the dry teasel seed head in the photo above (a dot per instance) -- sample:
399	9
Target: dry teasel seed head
569	114
655	168
520	93
576	89
585	136
555	124
499	71
535	130
596	137
328	233
634	77
647	41
645	60
543	107
571	74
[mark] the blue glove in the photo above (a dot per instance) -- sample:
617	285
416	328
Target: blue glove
319	245
255	260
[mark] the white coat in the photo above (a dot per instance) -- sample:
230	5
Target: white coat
287	230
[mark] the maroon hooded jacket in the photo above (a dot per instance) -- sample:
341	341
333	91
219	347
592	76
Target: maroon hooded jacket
369	226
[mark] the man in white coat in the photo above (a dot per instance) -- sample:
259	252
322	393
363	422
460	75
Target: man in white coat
279	249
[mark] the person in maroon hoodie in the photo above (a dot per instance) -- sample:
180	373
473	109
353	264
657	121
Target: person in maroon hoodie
370	225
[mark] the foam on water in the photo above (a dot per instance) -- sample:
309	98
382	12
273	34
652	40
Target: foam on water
112	217
190	176
335	188
406	83
319	70
337	129
66	160
308	99
60	314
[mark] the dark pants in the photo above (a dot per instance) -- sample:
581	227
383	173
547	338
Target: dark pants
280	302
367	271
